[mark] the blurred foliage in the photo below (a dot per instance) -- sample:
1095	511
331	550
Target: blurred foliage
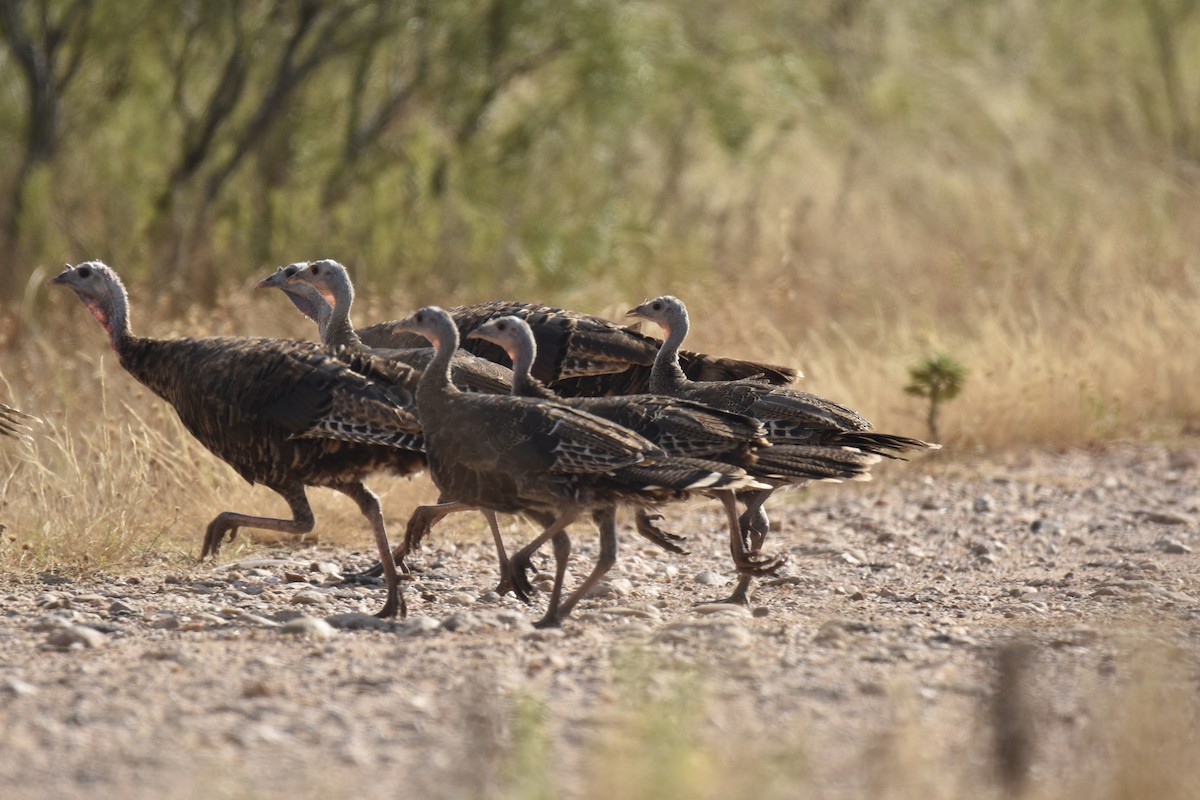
541	143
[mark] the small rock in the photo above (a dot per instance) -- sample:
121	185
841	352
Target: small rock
618	587
18	687
460	599
308	626
255	619
1174	547
328	568
711	579
358	622
1043	525
165	622
984	504
76	636
1163	517
310	597
117	607
850	558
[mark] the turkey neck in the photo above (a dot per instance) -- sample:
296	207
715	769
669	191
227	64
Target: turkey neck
338	330
667	376
139	356
523	355
113	315
435	384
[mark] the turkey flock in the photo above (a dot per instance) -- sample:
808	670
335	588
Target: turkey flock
512	408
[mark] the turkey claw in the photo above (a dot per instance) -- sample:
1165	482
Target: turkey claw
759	565
665	539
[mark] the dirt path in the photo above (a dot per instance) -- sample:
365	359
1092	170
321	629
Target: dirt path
263	677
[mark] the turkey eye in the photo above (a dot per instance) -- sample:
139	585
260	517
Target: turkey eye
84	272
657	306
289	271
315	270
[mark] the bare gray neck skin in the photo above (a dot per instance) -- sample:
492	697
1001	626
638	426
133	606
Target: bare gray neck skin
667	376
522	349
337	329
111	311
436	378
118	319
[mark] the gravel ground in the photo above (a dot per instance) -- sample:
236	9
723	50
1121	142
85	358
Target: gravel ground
266	676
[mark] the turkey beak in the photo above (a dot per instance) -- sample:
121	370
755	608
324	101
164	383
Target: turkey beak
62	277
267	282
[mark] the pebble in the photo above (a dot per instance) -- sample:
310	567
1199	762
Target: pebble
310	597
308	626
75	636
1174	547
460	599
1043	525
984	504
711	579
619	587
18	687
1164	517
117	607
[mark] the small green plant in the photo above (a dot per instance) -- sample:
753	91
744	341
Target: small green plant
940	378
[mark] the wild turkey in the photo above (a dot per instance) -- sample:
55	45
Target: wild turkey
12	422
284	414
323	290
690	429
578	354
325	295
791	417
528	455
